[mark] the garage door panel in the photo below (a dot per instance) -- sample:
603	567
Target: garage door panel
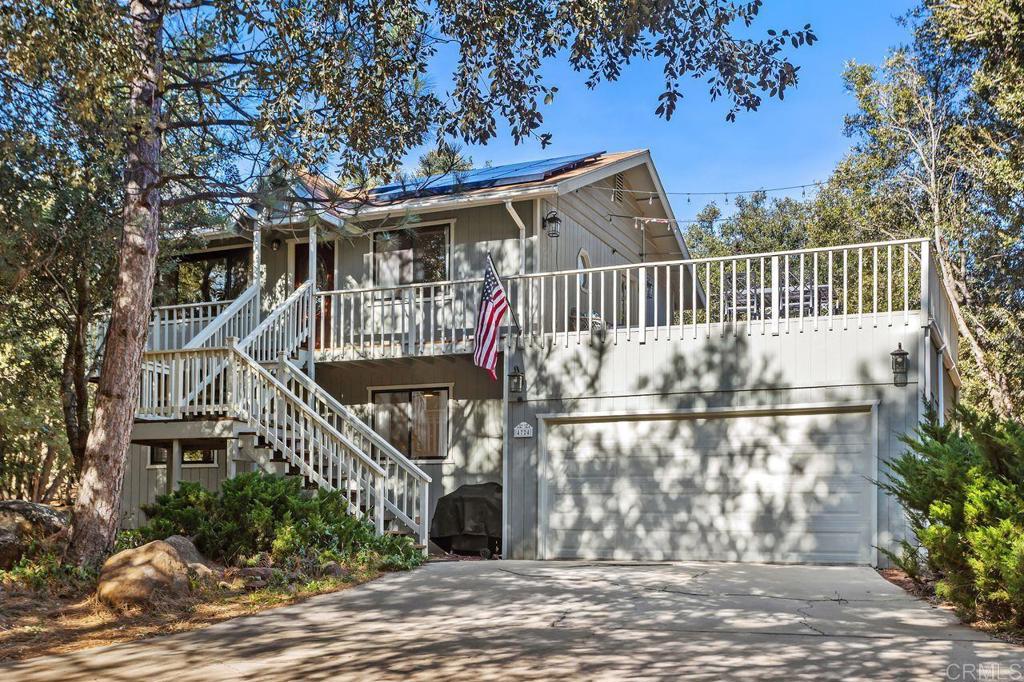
786	487
714	505
831	548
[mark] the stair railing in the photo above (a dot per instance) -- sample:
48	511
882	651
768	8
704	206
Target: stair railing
307	440
406	486
176	384
237	320
284	330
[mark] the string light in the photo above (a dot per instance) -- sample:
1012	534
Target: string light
653	193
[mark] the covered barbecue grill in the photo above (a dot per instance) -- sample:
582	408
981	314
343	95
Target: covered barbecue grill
468	520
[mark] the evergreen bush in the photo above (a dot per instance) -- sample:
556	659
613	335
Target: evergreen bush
962	487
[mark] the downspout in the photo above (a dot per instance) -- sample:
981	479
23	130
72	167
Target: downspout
941	387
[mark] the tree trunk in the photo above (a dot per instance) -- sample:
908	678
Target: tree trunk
97	507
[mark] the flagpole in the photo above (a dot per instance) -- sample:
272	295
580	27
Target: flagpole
511	308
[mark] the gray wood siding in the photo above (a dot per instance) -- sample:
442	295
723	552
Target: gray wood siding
721	371
476	232
143	483
475	411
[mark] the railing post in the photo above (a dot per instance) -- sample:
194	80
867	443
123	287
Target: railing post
425	516
232	397
410	320
775	296
925	282
378	504
641	301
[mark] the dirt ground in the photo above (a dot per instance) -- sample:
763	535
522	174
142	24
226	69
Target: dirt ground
926	591
34	624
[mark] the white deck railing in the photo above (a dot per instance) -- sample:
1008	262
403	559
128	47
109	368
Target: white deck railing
826	288
177	384
406	486
286	328
170	326
235	320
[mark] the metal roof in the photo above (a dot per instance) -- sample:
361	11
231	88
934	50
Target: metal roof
478	178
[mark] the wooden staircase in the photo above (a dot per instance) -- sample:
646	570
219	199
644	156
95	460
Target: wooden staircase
292	424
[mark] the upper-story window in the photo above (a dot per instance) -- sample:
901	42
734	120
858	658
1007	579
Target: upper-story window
210	276
583	263
411	255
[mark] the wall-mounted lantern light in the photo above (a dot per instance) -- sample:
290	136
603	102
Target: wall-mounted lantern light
516	380
899	366
552	224
275	245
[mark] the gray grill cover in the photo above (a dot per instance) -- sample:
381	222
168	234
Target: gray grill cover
468	517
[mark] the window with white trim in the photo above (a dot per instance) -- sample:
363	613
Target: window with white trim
414	420
411	255
583	263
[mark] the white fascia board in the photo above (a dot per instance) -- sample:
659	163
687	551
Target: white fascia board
590	177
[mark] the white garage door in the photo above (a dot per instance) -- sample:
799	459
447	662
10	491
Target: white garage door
785	487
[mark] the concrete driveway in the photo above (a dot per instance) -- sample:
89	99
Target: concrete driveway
532	620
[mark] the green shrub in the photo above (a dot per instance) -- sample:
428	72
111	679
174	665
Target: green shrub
45	572
962	486
257	514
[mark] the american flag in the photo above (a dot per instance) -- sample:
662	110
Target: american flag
493	306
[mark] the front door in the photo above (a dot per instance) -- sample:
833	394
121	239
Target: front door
324	282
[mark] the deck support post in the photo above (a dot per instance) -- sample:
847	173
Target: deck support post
174	466
310	360
233	454
257	263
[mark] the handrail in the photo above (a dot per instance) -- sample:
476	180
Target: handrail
358	423
323	423
406	488
300	319
225	317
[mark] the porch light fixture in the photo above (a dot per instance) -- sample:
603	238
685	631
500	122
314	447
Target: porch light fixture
275	245
899	366
516	380
552	224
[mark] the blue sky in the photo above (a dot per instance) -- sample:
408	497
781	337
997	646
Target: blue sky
792	142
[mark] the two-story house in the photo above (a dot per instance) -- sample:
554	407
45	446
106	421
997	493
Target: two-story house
651	405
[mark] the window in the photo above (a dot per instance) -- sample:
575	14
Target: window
158	456
210	276
195	456
583	263
410	255
415	420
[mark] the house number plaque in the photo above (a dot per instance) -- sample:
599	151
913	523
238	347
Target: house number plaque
523	430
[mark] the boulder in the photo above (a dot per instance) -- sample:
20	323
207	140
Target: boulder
22	523
202	568
144	575
332	569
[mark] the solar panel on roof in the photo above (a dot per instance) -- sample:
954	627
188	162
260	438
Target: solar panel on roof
478	178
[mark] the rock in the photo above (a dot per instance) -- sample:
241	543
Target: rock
22	523
143	575
202	568
332	569
259	572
